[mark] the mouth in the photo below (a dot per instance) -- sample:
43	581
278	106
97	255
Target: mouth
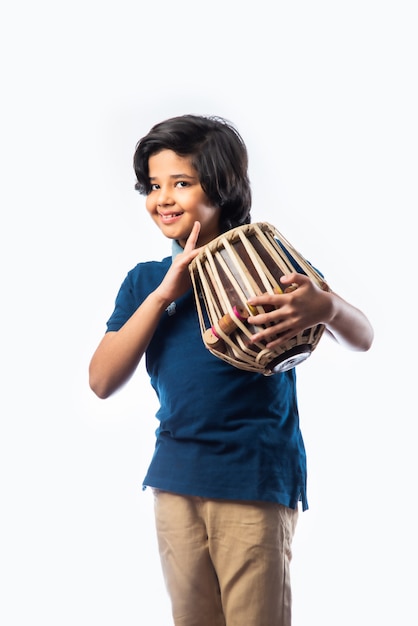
170	217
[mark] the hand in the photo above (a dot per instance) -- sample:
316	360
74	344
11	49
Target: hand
304	306
177	280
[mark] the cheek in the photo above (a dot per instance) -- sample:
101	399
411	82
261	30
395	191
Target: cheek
210	213
149	205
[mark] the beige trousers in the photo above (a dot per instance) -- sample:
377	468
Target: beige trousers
225	563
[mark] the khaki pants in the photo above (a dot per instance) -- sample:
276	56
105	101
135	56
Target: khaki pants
225	563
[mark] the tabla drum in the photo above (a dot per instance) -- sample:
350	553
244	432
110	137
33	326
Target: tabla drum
247	261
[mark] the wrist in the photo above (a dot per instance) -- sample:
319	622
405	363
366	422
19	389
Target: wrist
160	300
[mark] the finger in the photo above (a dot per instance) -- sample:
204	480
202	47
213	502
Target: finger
193	237
263	299
294	279
264	318
270	336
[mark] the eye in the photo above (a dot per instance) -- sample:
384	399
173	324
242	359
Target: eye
182	184
154	187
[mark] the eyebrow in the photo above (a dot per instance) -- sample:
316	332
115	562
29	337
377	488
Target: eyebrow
176	177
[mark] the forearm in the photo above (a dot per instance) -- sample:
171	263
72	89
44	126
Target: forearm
348	325
119	353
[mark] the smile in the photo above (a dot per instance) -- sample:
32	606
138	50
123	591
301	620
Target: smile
168	217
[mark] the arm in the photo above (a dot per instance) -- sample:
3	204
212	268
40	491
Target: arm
307	306
119	353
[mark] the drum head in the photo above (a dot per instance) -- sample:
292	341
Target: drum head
290	359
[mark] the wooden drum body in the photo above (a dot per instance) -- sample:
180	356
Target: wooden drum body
247	261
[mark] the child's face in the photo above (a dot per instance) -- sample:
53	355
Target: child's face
177	200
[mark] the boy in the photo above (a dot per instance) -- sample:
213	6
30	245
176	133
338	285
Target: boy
229	466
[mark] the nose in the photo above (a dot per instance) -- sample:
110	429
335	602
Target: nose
164	196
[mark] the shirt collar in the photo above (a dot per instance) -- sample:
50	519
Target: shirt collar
175	248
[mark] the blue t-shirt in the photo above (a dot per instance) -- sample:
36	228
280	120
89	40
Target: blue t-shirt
223	432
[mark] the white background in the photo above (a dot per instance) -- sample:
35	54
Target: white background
325	96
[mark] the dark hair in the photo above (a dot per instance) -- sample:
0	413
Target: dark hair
218	154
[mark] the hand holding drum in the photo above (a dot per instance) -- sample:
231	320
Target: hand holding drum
240	264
